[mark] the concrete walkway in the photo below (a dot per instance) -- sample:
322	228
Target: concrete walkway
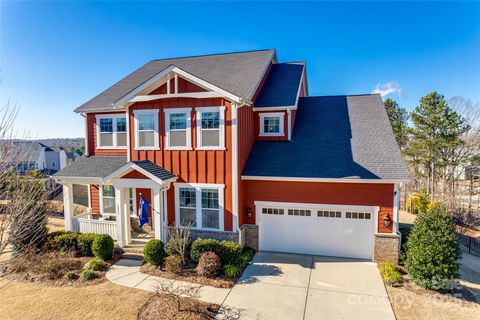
127	273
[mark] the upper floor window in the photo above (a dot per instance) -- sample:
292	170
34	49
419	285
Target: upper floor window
210	128
271	124
178	132
111	131
146	129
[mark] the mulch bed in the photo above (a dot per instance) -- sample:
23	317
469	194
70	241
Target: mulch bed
189	274
50	268
161	306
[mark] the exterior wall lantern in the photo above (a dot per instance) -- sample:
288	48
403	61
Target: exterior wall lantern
387	221
249	212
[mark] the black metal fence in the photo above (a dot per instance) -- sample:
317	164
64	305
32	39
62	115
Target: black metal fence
470	245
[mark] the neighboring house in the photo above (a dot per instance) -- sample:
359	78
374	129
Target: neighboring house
27	155
233	146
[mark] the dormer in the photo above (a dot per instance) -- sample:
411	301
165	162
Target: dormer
276	104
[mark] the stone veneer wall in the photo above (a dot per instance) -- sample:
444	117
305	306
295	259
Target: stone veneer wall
218	235
386	247
249	236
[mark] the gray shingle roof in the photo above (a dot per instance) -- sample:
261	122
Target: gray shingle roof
154	169
334	137
21	151
92	167
281	87
237	73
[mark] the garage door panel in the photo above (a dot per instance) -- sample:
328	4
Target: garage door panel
336	232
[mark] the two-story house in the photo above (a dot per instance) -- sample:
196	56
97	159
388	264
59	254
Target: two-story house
233	147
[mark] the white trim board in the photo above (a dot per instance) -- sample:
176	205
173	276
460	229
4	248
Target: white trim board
333	180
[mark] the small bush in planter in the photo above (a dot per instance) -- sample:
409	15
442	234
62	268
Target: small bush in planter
88	275
102	247
433	249
84	243
229	252
71	276
200	246
209	264
232	270
154	252
173	264
67	241
390	273
95	264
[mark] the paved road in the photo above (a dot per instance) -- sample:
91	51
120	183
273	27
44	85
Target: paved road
287	286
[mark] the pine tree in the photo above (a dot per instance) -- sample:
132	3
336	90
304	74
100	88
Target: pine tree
399	120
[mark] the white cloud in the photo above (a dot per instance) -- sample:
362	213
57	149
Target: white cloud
387	88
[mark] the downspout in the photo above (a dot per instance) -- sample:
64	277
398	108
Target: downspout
235	169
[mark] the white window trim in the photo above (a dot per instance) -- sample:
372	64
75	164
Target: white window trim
114	118
100	200
281	116
198	188
136	113
188	112
199	111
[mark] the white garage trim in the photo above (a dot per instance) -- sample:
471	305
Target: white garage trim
310	236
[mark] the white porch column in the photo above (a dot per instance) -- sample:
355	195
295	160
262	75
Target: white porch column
157	214
68	211
126	212
120	216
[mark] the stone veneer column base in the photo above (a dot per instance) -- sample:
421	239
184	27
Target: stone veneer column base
386	247
218	235
249	236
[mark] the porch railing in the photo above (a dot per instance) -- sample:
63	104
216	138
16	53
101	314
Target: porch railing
83	223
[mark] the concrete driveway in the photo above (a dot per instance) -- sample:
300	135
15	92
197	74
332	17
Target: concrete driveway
288	286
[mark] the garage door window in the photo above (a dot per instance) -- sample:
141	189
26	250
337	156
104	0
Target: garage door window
329	214
298	212
358	215
272	211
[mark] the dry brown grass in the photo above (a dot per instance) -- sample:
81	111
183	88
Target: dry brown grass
163	307
101	301
188	274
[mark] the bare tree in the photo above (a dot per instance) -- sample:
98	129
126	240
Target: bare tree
178	291
178	241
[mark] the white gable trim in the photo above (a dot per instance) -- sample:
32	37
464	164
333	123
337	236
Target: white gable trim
143	88
129	167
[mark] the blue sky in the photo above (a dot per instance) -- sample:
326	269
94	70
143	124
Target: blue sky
56	55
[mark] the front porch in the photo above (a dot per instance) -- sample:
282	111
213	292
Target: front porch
114	210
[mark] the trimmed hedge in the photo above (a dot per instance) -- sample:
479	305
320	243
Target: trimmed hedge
200	246
85	242
154	252
230	252
102	247
67	241
433	249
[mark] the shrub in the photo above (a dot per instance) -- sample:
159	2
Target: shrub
433	251
54	234
405	230
232	270
200	246
175	245
88	275
209	264
390	273
154	252
51	267
229	252
67	241
436	206
247	254
95	264
102	247
418	202
71	276
84	243
173	264
179	243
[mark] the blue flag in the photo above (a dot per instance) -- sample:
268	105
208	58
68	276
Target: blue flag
143	212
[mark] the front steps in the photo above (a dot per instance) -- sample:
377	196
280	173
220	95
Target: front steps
134	250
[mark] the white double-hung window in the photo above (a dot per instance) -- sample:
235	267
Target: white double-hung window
111	132
271	124
178	129
146	129
210	128
199	205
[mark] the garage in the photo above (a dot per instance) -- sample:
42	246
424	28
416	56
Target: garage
325	230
